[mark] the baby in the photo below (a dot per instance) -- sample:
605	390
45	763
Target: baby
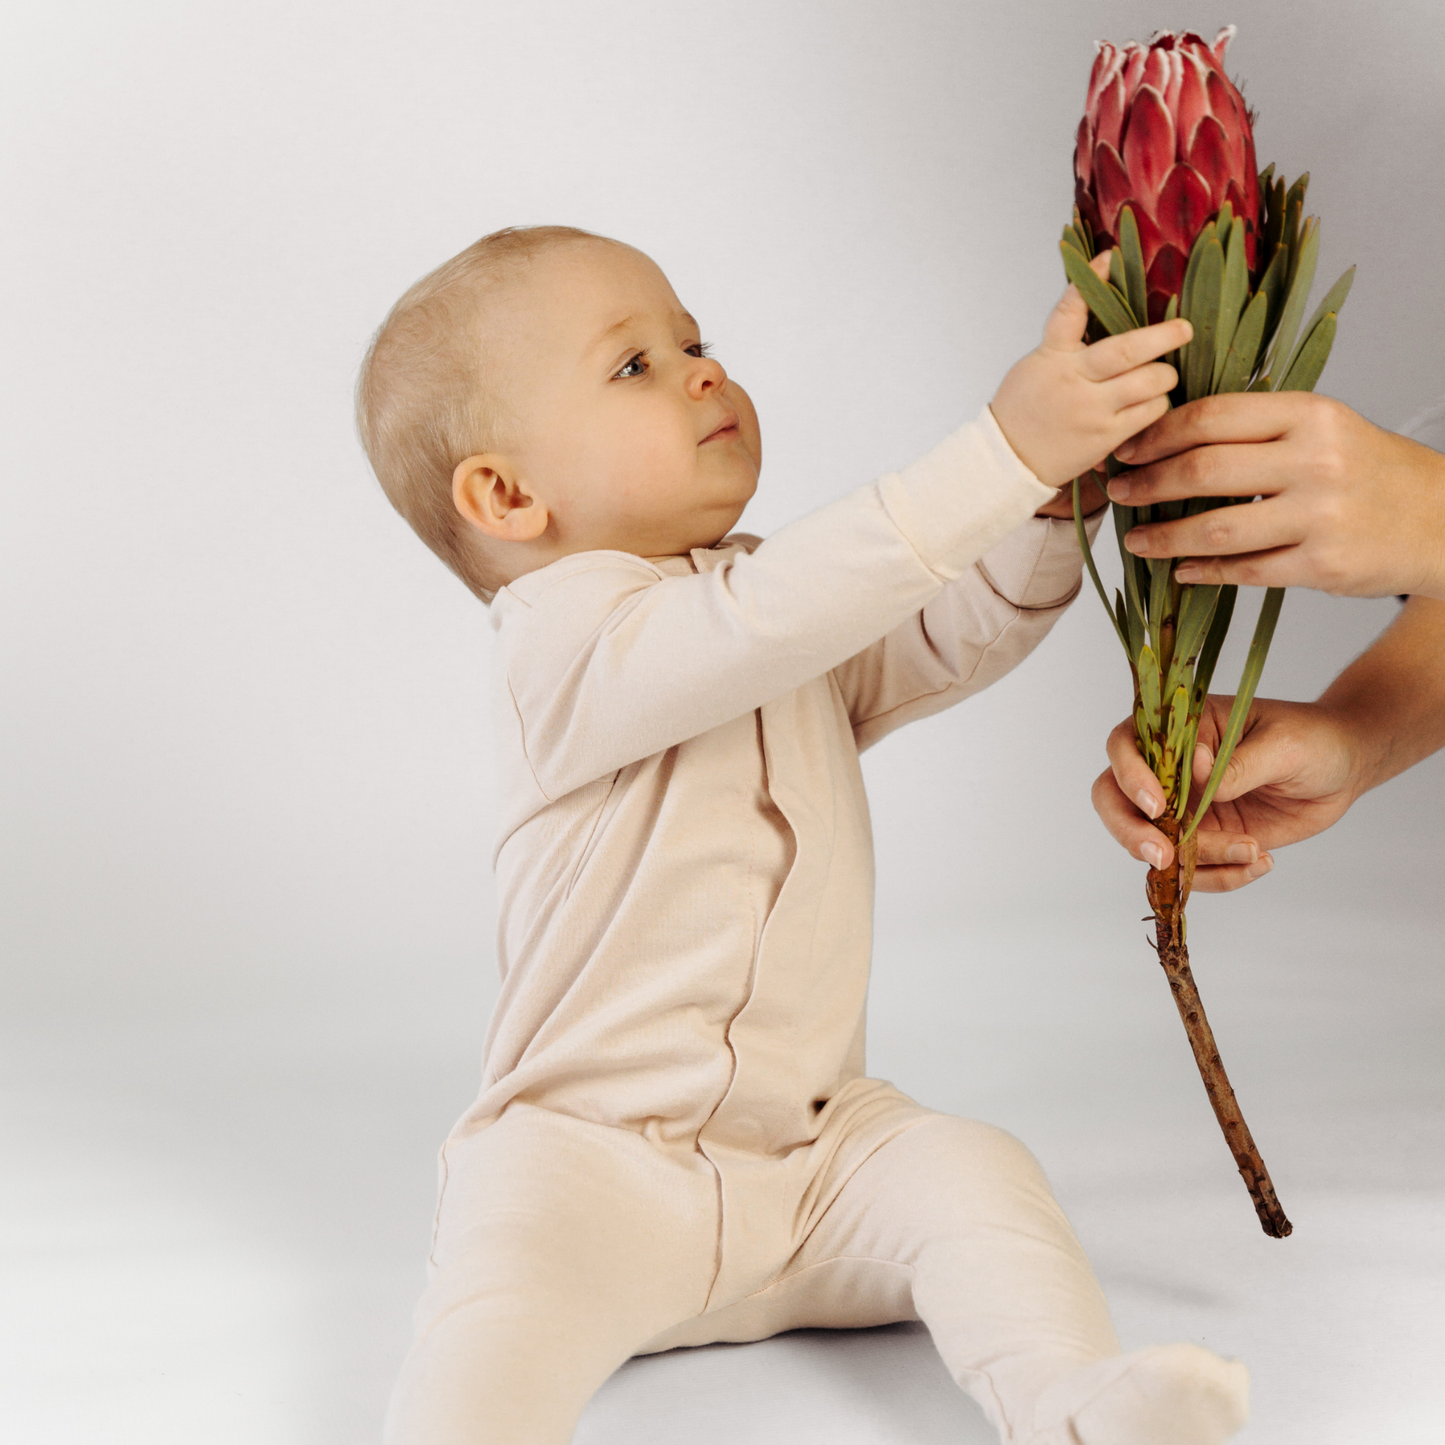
676	1141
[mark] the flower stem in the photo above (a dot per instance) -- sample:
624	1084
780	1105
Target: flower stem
1168	891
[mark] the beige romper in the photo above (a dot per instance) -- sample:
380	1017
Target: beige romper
676	1141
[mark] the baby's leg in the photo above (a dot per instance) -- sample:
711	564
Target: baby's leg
1010	1299
561	1247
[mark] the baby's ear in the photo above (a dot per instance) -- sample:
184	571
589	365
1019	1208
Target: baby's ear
488	493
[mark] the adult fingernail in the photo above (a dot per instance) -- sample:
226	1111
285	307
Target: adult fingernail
1119	490
1152	854
1240	853
1188	574
1136	541
1263	866
1125	450
1148	804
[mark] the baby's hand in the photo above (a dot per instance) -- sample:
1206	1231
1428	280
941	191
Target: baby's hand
1066	406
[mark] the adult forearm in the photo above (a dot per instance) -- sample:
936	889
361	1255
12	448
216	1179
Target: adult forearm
1392	697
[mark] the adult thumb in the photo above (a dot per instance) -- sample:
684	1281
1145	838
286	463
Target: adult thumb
1255	763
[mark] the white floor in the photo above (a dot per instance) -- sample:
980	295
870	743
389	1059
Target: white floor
213	1230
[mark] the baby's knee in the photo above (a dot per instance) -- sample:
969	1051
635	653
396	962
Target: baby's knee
980	1150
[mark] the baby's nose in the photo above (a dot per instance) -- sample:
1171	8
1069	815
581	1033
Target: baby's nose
707	375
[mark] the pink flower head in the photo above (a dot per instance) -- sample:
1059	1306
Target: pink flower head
1165	132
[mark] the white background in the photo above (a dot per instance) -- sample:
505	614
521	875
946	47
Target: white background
247	819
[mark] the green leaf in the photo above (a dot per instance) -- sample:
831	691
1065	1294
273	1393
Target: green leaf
1244	349
1131	255
1310	359
1074	239
1272	284
1088	551
1159	577
1299	295
1201	309
1334	301
1124	520
1196	612
1253	668
1121	616
1233	295
1116	274
1105	302
1191	266
1086	234
1149	684
1273	223
1209	653
1294	209
1178	719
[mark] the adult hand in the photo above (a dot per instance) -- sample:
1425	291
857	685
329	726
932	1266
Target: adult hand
1293	774
1347	507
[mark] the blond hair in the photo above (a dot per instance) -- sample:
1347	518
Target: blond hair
421	402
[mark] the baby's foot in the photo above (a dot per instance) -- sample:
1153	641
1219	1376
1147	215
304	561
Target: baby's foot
1165	1395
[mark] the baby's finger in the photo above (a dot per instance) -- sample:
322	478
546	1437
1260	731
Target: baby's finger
1115	354
1144	383
1135	418
1064	330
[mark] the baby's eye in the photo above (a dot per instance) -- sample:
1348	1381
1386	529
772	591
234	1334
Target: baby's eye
635	366
699	348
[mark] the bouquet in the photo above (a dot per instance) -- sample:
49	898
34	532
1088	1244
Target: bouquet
1165	177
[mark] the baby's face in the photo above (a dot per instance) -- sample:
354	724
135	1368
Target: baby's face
632	437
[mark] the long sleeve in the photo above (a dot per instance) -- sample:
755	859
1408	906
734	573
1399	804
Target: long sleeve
609	660
976	630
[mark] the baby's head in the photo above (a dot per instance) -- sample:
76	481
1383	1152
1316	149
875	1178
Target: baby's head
544	393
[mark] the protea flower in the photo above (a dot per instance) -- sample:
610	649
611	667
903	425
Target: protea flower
1166	132
1165	177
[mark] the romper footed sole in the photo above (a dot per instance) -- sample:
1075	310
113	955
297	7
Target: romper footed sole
1165	1395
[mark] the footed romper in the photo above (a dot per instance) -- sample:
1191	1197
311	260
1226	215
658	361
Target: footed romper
676	1141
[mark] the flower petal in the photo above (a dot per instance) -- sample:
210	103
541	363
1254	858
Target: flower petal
1156	69
1148	149
1151	238
1109	117
1221	42
1184	206
1107	64
1193	104
1227	106
1137	58
1084	152
1166	278
1175	81
1111	185
1209	155
1088	208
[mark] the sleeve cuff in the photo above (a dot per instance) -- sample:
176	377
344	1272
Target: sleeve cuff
1038	565
963	497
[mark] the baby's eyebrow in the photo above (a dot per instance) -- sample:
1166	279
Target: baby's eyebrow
627	321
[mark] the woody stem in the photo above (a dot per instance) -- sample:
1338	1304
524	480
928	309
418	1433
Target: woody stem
1168	890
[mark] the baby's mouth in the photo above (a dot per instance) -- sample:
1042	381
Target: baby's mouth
729	428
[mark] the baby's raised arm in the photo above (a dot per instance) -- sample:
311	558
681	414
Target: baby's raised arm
609	660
